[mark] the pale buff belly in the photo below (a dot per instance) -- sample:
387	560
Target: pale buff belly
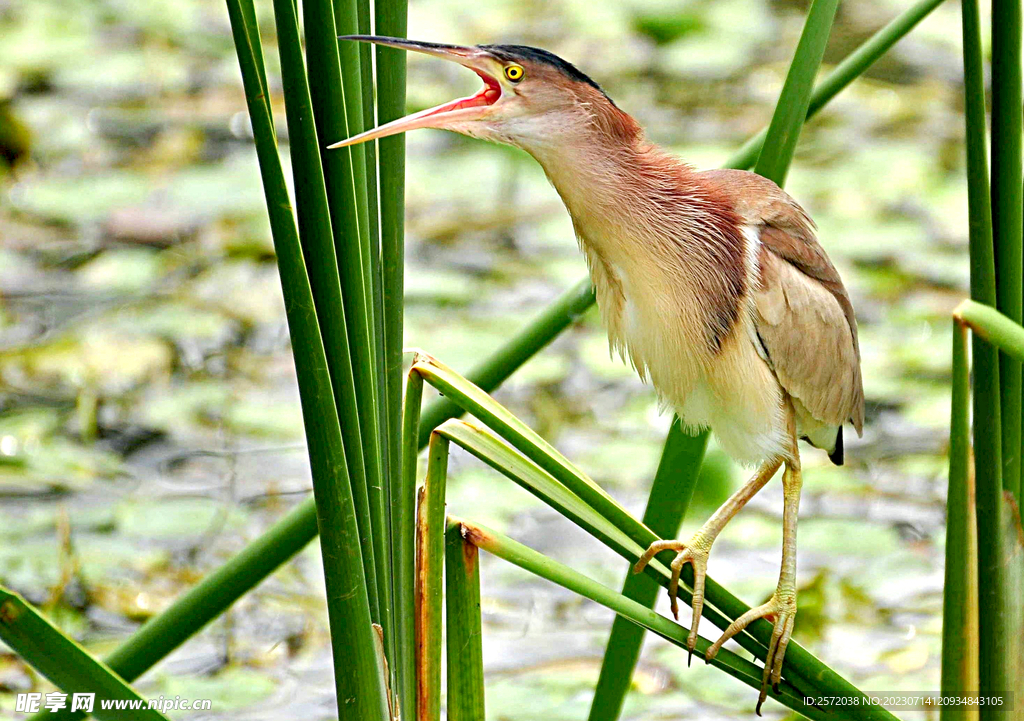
733	392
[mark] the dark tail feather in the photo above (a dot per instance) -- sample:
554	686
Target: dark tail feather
836	456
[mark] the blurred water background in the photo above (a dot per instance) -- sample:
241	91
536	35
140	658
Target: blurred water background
149	419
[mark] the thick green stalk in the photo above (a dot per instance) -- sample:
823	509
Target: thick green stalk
66	664
670	496
430	525
318	250
389	443
359	287
403	525
253	28
784	131
463	627
540	565
391	18
347	22
324	78
336	89
1008	215
987	414
369	149
960	590
361	684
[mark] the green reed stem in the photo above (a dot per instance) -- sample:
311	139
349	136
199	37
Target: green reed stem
361	684
66	664
852	67
992	327
318	250
391	18
1008	215
791	110
324	79
403	525
540	565
430	543
987	403
960	590
389	443
463	624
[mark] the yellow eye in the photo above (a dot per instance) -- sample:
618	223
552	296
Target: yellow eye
514	73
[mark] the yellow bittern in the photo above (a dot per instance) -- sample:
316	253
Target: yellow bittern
712	284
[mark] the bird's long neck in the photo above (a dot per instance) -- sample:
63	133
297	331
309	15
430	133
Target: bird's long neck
649	223
622	191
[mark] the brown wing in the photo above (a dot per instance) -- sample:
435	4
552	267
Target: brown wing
804	318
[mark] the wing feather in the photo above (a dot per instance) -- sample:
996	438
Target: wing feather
804	317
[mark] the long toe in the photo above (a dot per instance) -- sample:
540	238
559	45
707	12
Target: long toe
653	550
697	603
783	609
781	634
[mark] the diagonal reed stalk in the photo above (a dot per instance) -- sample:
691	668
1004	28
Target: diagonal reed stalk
590	507
66	664
201	604
540	565
852	67
776	155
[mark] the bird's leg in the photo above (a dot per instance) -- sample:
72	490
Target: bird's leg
781	607
695	551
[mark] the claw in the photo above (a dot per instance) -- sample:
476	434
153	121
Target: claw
694	552
783	610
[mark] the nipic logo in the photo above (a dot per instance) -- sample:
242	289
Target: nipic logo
57	701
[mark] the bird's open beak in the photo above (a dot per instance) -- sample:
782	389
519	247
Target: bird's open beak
443	116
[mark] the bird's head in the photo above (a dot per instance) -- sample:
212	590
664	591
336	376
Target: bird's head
531	98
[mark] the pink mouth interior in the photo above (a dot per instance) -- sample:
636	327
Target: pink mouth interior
488	95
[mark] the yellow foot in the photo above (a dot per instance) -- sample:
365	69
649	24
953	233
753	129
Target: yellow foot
695	552
780	608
